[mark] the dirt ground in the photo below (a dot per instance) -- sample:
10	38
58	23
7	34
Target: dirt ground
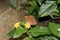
8	17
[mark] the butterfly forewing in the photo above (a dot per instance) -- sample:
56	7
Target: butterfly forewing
31	20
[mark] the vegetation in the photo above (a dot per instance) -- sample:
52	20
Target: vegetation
38	9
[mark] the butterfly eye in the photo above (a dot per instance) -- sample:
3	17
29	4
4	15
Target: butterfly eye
31	20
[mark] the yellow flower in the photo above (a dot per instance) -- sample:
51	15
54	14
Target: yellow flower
16	25
27	25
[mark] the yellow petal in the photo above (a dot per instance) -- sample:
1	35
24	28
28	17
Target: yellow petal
16	25
27	25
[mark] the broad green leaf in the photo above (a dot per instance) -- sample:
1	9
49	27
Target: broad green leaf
48	38
13	3
27	38
55	29
11	33
47	8
40	1
36	31
19	32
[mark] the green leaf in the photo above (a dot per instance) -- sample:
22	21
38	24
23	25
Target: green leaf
55	29
37	38
27	38
33	7
23	22
11	33
40	2
47	8
54	15
58	1
36	31
19	32
59	10
13	3
48	38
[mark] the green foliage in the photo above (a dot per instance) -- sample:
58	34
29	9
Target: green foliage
19	31
13	3
58	1
54	29
11	33
15	33
33	6
40	2
41	8
47	8
48	38
36	31
42	38
27	38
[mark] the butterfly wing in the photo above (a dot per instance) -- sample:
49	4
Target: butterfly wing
31	20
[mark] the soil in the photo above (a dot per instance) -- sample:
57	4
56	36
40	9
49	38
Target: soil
9	16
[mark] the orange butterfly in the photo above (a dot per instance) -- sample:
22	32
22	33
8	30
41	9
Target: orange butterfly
31	20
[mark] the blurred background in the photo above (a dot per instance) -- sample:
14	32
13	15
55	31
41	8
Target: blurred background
8	16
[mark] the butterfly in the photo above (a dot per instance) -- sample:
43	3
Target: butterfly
31	20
